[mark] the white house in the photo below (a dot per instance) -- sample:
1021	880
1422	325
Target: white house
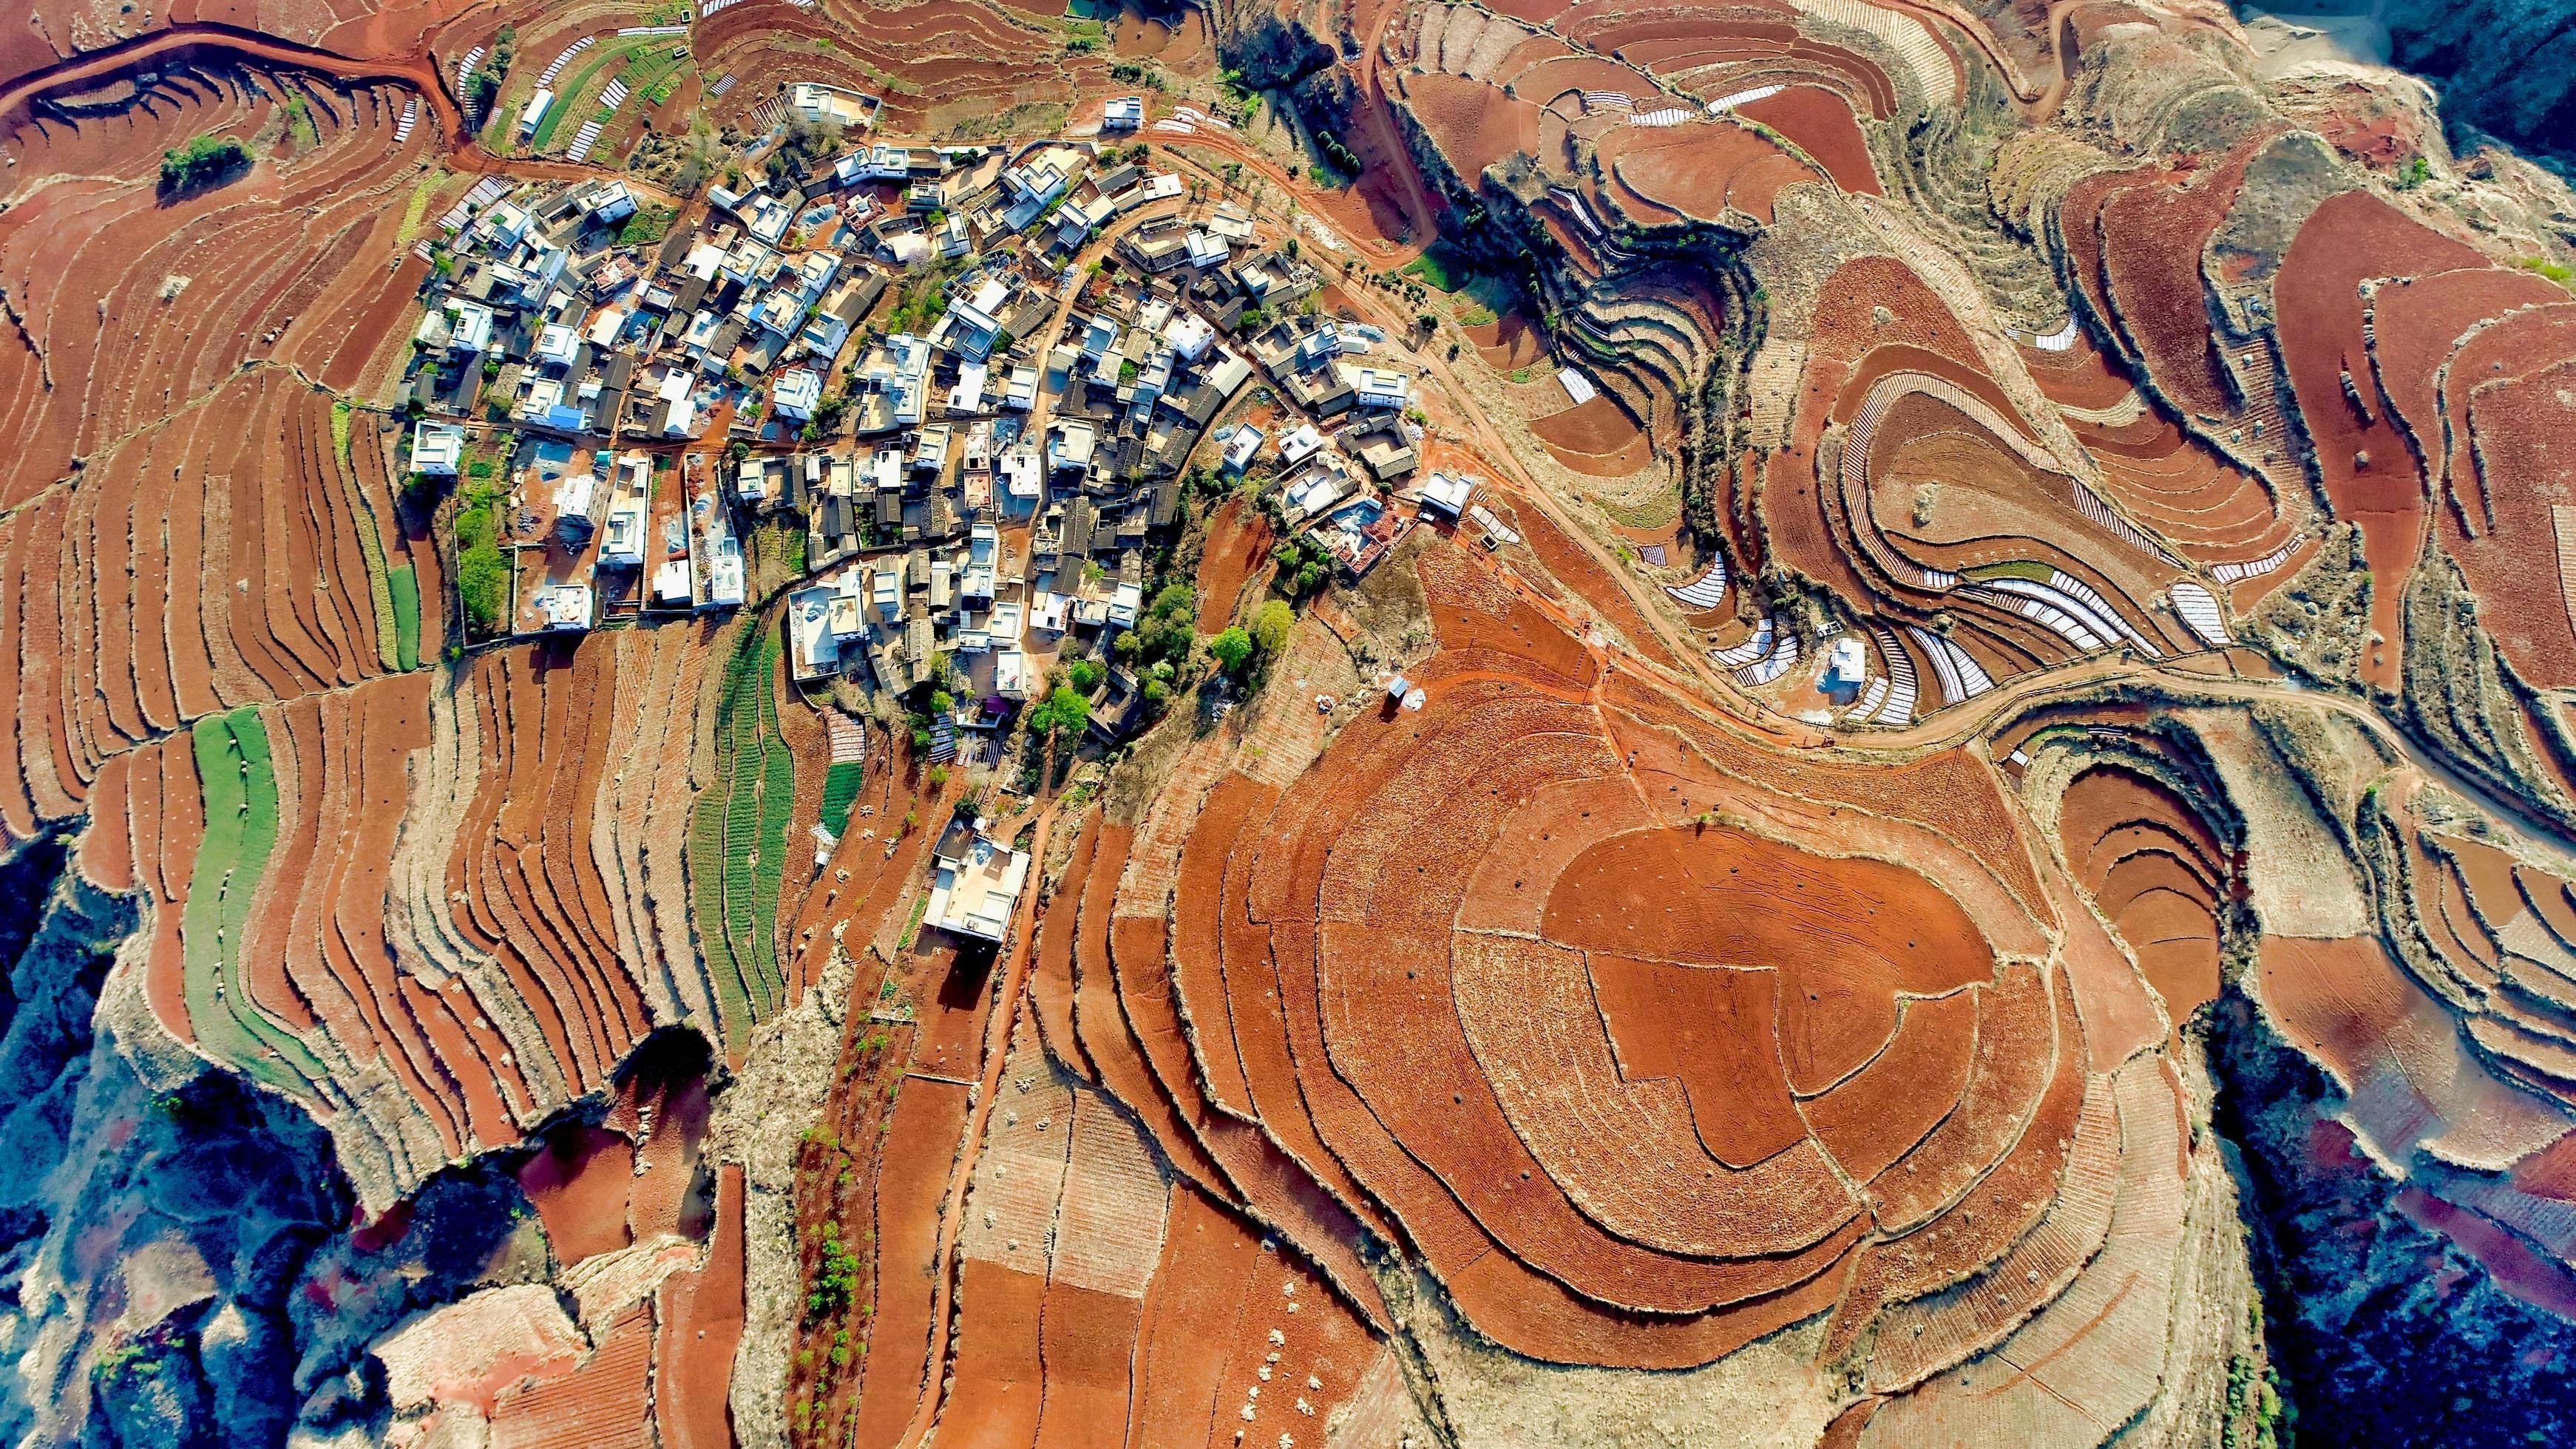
1239	448
1376	387
534	113
1447	494
977	885
796	392
472	332
437	448
1124	113
1300	445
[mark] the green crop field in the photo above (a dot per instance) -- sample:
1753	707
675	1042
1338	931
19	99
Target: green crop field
405	586
240	785
840	791
738	839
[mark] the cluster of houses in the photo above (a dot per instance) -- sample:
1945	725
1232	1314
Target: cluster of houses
976	482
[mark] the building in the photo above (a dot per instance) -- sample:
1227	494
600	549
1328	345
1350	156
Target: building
1240	447
976	884
1300	445
437	449
621	544
471	332
560	608
1447	494
1377	387
820	104
795	393
534	113
1070	443
1123	113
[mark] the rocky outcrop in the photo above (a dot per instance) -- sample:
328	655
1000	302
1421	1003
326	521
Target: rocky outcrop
2389	1333
2507	67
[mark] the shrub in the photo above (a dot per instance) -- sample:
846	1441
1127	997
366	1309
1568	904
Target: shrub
204	160
483	581
1270	625
647	226
1231	649
1061	712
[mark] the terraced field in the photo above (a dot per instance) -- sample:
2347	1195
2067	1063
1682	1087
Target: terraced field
1972	841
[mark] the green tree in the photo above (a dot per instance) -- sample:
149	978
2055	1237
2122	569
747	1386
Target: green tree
1233	649
203	159
1061	712
1086	675
1270	625
483	580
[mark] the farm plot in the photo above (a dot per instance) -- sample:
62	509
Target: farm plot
939	64
2158	873
1702	170
138	309
2367	470
254	566
1574	1039
738	838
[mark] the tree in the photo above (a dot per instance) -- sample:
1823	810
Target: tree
202	160
1061	712
1086	675
1270	625
483	580
1232	649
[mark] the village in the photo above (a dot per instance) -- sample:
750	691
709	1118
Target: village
951	402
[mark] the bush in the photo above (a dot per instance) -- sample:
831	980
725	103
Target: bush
202	161
1270	625
647	226
1062	712
1231	649
483	581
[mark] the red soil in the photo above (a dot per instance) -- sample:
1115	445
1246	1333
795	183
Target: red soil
2347	239
997	1368
1473	124
928	1125
2155	868
702	1324
1569	564
1598	426
1198	971
2416	326
1733	899
600	1405
1238	544
2012	1067
1821	123
1189	1318
2518	430
107	844
1508	343
2518	1268
1713	1031
1089	1345
2394	1046
1101	1025
2152	240
1878	1114
1983	1225
1051	977
578	1180
1701	168
2510	346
